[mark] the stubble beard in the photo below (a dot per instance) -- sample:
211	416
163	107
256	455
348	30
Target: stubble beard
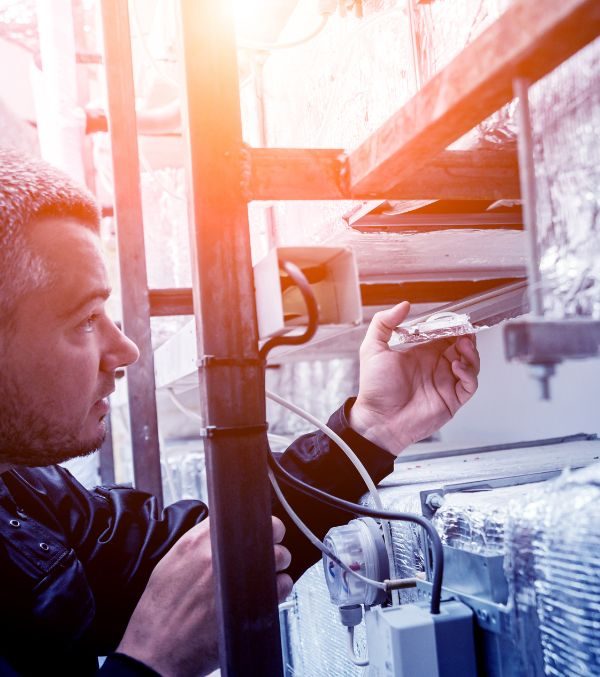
30	439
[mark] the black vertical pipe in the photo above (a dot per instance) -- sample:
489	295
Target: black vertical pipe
130	234
231	388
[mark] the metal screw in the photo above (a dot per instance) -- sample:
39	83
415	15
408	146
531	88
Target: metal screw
434	501
542	373
483	615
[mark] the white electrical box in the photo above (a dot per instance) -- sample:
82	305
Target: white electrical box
333	276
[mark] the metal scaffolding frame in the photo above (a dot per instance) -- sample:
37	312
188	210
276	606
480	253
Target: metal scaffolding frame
404	159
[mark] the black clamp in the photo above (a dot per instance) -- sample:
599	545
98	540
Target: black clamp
214	430
207	361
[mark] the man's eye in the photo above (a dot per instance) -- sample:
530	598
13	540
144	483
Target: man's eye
89	323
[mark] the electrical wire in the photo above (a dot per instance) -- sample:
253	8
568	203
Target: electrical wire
356	509
359	662
315	540
268	46
356	462
311	306
353	458
301	280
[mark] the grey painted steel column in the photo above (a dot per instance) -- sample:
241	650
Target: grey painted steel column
130	233
232	391
529	193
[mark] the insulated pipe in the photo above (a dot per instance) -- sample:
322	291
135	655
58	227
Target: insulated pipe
60	121
151	122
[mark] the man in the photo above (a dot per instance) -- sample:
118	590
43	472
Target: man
95	573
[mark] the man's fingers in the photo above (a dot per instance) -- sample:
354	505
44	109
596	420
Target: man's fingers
468	352
284	586
467	380
278	529
283	557
382	325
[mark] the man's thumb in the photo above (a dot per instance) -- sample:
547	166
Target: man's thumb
382	325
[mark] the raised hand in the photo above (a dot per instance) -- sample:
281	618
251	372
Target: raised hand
405	396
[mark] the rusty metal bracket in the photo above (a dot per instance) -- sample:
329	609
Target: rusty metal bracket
207	361
214	430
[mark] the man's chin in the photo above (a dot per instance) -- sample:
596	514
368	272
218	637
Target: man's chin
55	452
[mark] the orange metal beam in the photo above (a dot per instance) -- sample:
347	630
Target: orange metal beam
323	174
529	40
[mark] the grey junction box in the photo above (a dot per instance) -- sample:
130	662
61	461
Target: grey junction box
409	641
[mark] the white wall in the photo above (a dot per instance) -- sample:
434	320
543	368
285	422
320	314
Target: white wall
507	405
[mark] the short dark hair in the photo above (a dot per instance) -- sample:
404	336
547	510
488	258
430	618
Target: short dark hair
31	189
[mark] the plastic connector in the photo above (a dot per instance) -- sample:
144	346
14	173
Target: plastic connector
351	615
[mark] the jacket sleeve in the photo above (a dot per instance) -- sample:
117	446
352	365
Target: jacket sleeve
121	665
116	533
317	460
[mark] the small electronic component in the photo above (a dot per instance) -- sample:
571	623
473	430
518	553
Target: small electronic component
440	325
358	544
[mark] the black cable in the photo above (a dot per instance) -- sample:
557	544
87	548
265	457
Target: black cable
311	306
357	509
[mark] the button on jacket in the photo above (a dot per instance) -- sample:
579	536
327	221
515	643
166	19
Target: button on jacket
75	562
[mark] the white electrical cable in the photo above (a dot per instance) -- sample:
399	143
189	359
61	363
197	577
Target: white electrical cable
295	518
337	439
361	663
182	408
314	540
268	46
356	462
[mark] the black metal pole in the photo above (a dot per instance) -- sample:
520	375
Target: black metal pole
130	234
231	378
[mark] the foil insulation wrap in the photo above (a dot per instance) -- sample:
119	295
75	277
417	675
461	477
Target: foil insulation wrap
553	571
441	30
565	115
482	520
318	640
475	521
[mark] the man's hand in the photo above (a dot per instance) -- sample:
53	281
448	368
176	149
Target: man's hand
173	628
405	396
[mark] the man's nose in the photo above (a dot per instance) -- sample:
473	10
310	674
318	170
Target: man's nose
120	350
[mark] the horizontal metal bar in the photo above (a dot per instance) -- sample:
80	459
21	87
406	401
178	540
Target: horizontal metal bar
428	292
215	430
431	222
529	39
470	451
207	361
551	341
172	302
322	174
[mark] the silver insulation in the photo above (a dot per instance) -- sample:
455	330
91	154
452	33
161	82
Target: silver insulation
476	521
553	570
565	113
443	29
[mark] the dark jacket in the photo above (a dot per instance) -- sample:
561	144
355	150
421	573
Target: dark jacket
75	562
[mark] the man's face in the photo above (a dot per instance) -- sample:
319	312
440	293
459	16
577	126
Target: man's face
59	357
